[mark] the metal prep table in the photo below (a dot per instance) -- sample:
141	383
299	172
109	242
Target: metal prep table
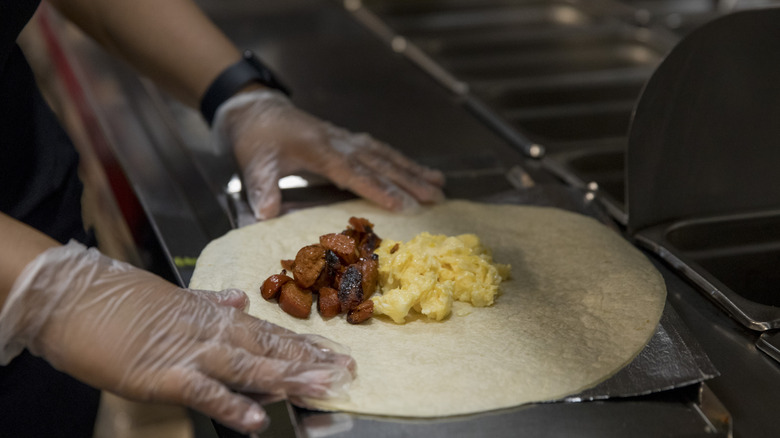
344	69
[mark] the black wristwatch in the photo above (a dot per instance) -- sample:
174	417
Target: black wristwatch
249	69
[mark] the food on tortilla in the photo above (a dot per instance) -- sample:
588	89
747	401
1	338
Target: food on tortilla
582	302
272	286
429	272
340	272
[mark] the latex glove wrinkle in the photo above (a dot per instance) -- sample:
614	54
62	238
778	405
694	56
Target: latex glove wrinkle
271	138
128	331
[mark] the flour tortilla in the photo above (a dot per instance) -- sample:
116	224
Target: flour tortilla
581	304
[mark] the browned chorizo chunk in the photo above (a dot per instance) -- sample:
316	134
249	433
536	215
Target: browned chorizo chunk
361	225
369	269
295	301
328	273
352	234
351	288
272	285
287	265
331	273
333	263
342	269
368	245
363	232
328	302
342	245
362	312
309	263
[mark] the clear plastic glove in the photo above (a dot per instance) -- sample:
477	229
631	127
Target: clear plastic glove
130	332
271	139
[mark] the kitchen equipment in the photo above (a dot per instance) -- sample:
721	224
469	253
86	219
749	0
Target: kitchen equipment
156	140
703	187
558	78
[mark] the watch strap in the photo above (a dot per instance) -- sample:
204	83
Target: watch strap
247	70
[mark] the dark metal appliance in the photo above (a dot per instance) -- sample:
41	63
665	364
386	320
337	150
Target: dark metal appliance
703	185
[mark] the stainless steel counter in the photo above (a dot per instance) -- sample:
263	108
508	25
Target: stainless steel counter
344	71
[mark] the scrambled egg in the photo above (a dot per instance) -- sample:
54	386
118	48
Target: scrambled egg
431	271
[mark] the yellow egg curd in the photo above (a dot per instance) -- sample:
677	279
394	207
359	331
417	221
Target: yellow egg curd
430	271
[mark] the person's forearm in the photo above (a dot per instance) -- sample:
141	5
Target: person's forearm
21	244
170	41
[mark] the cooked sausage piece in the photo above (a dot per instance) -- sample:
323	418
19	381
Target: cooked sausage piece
272	286
295	301
342	269
330	273
287	265
351	288
333	263
369	269
368	245
342	245
328	302
362	231
361	225
362	312
309	263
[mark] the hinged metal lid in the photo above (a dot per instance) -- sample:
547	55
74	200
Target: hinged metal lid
705	136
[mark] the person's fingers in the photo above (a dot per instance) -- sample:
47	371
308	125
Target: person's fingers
229	297
344	140
261	179
394	157
251	335
351	174
203	321
378	189
264	399
247	372
375	171
403	177
191	388
326	345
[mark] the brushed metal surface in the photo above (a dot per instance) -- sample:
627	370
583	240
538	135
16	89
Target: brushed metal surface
182	188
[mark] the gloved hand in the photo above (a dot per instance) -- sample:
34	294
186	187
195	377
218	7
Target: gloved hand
130	332
271	138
